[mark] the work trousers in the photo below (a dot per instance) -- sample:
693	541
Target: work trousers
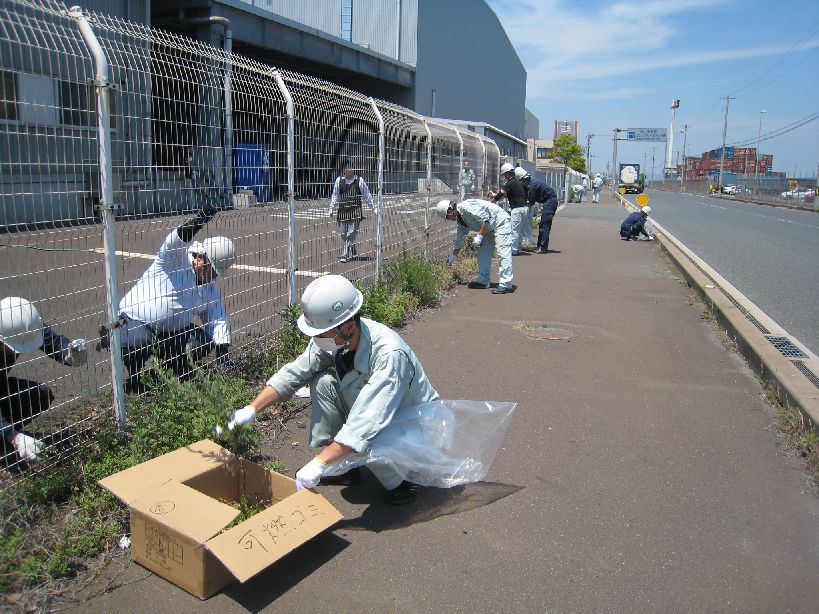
519	216
349	231
544	230
330	412
501	240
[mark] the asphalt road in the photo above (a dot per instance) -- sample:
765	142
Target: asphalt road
769	254
640	473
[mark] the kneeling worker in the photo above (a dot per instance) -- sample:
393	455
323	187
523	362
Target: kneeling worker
360	373
635	225
494	231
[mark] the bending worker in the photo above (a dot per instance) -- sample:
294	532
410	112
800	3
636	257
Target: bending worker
635	225
22	330
518	206
361	373
541	192
494	231
179	286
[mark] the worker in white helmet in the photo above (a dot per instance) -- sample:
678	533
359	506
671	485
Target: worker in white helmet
361	374
180	285
584	183
634	226
349	192
23	330
466	179
522	175
597	185
518	205
494	232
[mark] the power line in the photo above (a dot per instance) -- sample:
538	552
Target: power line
780	131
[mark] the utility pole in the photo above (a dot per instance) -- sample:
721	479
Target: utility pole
728	100
616	174
675	104
653	149
682	174
589	137
756	166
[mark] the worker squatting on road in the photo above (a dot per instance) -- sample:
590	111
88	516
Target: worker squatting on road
23	330
518	205
349	192
493	232
635	225
361	374
180	285
539	192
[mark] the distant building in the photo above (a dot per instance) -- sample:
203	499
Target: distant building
539	151
738	160
566	126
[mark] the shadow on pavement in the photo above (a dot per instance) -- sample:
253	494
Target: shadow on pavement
431	503
260	591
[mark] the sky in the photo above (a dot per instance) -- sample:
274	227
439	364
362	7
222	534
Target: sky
620	64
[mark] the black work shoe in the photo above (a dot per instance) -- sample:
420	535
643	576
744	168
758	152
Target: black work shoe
501	290
405	492
351	478
474	285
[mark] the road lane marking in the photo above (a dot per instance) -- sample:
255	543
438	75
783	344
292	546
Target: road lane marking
243	267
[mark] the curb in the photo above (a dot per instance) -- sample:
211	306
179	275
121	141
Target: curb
795	378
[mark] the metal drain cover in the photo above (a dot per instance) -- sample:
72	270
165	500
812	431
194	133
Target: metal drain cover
544	332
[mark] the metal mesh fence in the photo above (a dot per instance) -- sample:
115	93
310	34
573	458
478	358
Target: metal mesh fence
193	128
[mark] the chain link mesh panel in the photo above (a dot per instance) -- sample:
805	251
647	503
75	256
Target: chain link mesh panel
199	150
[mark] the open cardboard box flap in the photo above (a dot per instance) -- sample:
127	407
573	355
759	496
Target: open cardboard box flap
179	465
253	545
186	510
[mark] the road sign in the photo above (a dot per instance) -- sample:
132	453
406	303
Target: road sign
646	134
642	199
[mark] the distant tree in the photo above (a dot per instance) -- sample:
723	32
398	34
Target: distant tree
568	152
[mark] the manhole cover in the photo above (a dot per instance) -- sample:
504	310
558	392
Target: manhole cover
544	332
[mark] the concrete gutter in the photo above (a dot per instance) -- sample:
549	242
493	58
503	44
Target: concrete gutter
746	324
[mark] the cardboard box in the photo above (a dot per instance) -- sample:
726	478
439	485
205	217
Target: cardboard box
179	508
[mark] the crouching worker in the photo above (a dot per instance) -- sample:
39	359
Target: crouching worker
635	225
494	231
180	285
22	330
361	374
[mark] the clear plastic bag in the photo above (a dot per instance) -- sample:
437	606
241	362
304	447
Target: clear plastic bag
441	444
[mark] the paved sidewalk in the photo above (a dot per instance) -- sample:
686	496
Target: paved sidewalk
640	474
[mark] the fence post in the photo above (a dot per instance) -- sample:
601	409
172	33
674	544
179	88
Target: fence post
460	165
107	207
483	162
566	192
429	182
291	197
380	213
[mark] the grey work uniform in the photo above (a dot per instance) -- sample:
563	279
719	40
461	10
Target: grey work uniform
354	398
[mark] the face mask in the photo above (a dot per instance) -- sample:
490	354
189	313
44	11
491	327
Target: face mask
327	344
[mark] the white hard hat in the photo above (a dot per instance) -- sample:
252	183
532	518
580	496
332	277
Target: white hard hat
597	174
443	207
521	173
327	302
507	168
21	327
221	253
647	210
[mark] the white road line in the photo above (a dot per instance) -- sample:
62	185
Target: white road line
766	217
243	267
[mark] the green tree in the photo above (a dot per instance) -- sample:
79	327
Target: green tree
568	152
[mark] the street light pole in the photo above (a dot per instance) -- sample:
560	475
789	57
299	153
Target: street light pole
675	104
756	166
682	174
728	100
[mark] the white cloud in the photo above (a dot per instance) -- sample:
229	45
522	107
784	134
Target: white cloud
564	43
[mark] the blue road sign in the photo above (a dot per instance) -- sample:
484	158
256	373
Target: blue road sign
646	134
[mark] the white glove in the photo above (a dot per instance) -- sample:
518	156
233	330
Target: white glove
478	240
77	353
246	415
309	475
28	448
450	259
330	212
